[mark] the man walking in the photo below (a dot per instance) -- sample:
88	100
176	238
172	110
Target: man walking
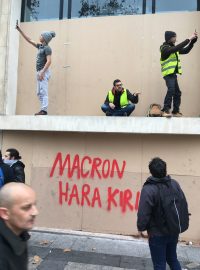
163	213
43	63
17	215
117	101
170	67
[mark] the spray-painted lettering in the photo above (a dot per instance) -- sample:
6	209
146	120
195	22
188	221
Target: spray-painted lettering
102	169
74	168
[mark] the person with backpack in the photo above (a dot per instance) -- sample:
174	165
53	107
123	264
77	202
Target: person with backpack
6	173
163	213
170	67
12	158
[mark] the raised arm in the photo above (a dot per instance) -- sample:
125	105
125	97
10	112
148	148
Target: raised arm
181	47
32	42
188	48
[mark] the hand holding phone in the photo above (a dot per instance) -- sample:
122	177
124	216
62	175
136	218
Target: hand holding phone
17	25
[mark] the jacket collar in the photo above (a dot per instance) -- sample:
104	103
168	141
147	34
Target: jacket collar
17	243
155	180
169	44
113	91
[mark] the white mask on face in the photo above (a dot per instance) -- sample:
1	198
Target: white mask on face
10	162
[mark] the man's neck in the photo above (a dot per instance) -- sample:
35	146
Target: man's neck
13	229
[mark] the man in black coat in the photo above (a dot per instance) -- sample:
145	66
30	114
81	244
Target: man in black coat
12	158
162	242
17	215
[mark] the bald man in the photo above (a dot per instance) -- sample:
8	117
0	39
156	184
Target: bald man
17	215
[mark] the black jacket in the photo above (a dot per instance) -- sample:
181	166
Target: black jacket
117	95
13	249
18	169
7	172
148	205
183	48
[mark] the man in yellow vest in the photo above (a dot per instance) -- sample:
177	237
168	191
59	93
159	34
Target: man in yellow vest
170	67
117	101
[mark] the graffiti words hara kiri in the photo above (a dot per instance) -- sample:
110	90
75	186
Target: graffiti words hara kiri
87	197
101	168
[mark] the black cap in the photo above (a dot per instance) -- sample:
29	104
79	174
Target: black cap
169	35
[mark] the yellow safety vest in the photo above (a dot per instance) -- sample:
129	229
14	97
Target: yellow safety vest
123	99
169	65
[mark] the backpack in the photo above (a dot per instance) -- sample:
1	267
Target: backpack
171	215
1	178
154	110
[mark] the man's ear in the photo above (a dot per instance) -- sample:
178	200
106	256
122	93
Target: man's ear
4	213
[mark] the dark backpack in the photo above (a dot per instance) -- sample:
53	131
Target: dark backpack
1	178
171	213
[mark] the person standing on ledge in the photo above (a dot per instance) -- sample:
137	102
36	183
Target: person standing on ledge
170	67
117	101
43	63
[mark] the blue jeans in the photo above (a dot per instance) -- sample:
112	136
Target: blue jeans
163	249
118	112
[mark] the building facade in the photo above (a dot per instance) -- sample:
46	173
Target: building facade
87	169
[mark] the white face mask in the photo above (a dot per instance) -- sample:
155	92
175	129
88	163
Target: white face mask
10	162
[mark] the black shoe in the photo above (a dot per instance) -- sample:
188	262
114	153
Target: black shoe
108	114
125	114
41	113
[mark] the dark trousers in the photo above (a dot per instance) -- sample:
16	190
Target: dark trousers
163	249
118	112
173	93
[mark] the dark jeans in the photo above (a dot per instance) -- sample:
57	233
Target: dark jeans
163	249
118	112
173	93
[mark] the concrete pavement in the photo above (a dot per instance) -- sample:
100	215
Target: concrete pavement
70	250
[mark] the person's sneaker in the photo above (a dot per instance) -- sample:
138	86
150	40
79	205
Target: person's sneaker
166	114
178	114
125	114
41	113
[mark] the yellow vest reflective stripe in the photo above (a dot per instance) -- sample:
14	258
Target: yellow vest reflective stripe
169	65
123	99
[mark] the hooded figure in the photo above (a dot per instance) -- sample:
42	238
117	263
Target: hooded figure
169	35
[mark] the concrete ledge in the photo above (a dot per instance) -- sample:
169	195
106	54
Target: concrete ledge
102	124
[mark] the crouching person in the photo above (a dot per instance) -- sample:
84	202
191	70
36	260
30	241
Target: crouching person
117	101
